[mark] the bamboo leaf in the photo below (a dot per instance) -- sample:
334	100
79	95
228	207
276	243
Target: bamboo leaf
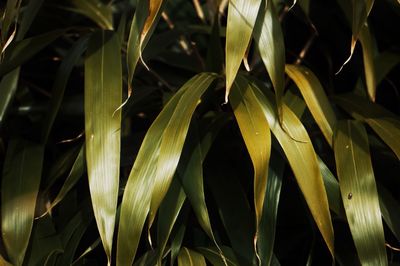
361	10
8	87
157	158
269	37
143	24
257	136
188	257
103	93
369	62
100	13
388	205
359	192
383	122
213	256
302	159
29	13
384	63
242	16
19	189
270	211
315	98
60	83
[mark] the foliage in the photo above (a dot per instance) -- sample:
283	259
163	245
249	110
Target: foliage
130	136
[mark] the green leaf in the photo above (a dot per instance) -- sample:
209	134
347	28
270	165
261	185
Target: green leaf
101	14
369	62
20	52
315	98
188	257
270	212
361	10
302	159
60	83
160	149
213	256
8	87
388	206
29	13
359	192
384	63
20	184
215	54
242	16
256	134
383	122
103	94
269	37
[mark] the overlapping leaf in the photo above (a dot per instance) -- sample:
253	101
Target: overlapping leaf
369	62
269	37
188	257
256	134
300	153
359	192
157	158
242	16
97	11
103	94
315	98
19	188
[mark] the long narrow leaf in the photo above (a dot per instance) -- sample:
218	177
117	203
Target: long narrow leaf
242	16
315	98
302	158
269	37
359	192
369	62
19	189
97	11
135	206
103	94
188	257
361	10
383	122
8	87
255	130
213	256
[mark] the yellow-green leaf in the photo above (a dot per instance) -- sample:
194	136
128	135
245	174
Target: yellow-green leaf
256	134
96	10
213	256
300	153
269	37
361	10
315	98
369	62
383	122
359	192
169	128
188	257
19	188
242	16
103	94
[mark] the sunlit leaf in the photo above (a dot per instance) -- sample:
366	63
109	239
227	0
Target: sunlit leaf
188	257
315	98
103	94
369	62
300	153
359	192
242	16
269	37
20	184
157	158
361	10
97	11
213	256
383	122
8	87
256	134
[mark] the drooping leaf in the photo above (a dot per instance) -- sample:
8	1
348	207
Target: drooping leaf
96	10
300	153
103	95
60	83
256	134
269	37
20	184
188	257
359	192
242	16
315	98
383	122
9	18
270	212
369	61
29	13
213	256
159	150
361	10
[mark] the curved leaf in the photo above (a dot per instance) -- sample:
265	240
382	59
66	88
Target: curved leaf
213	256
303	161
361	10
103	94
100	13
359	192
369	62
188	257
315	98
19	188
269	37
257	136
242	16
